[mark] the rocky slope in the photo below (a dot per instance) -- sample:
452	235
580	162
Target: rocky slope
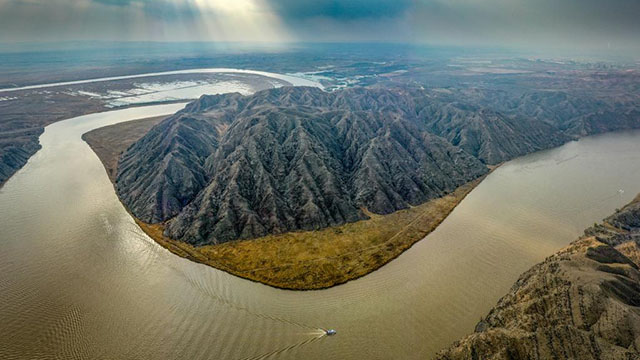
581	303
491	136
15	149
498	125
236	167
233	167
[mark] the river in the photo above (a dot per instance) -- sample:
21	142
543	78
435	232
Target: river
79	279
294	80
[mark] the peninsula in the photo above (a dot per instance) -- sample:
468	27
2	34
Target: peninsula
299	188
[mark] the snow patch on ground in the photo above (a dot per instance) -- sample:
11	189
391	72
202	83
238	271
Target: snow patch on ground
151	92
311	75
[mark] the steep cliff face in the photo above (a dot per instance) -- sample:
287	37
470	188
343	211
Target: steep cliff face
231	167
581	303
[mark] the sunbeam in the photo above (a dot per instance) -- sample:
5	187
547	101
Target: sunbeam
142	20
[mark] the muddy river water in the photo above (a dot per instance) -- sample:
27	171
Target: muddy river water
78	278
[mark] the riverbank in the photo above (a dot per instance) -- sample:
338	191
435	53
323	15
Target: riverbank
580	303
312	260
304	260
110	141
29	109
70	245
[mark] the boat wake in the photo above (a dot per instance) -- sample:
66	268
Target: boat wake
315	338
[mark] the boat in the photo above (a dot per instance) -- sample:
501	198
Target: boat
330	332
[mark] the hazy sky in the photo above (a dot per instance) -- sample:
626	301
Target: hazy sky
562	24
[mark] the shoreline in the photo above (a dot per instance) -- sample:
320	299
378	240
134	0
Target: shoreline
305	260
2	183
299	260
87	106
291	79
589	271
189	252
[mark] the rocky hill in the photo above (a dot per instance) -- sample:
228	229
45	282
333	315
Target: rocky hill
498	125
237	167
233	167
581	303
491	136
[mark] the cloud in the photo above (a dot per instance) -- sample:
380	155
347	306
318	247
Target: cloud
168	10
139	20
522	23
340	10
120	2
528	23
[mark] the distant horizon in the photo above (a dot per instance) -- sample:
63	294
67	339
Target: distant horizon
551	26
229	47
